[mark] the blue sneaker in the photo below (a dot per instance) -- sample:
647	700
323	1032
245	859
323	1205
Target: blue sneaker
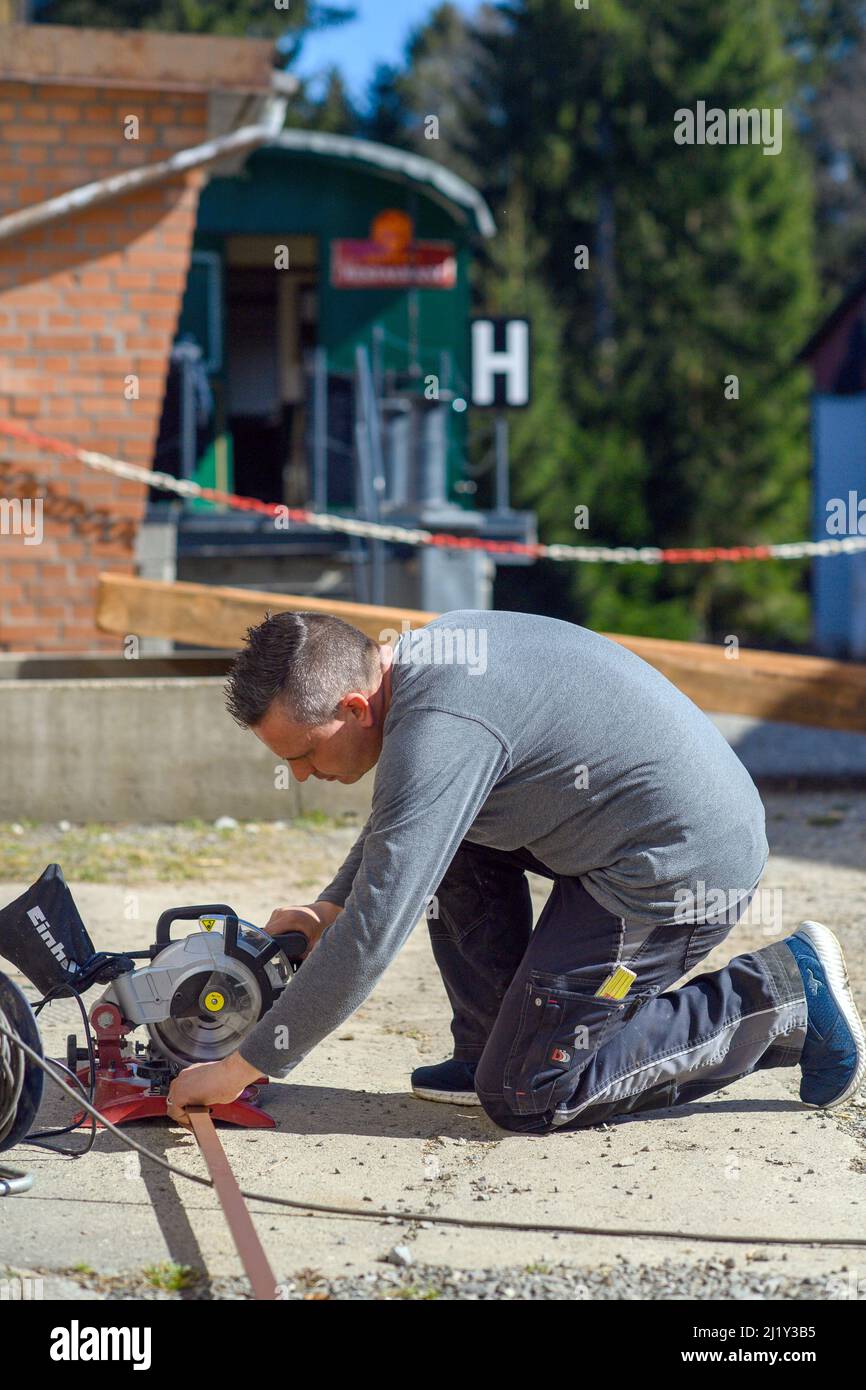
452	1082
834	1053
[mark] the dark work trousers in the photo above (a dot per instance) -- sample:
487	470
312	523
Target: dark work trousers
553	1056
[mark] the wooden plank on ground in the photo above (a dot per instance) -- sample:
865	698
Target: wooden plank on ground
240	1223
764	685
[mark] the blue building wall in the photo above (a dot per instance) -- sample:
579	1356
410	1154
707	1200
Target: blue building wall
839	582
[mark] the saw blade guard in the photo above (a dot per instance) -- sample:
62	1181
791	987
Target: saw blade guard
211	1011
202	993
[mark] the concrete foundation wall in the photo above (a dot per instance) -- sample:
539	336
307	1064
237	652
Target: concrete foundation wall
143	750
163	748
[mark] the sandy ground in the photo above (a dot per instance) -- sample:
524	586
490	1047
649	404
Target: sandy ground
750	1160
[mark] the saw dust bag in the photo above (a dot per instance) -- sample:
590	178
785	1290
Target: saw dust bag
43	935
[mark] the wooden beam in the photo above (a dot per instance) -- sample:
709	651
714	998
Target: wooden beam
212	616
764	685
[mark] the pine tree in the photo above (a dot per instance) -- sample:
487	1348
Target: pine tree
543	440
329	107
439	78
699	270
246	18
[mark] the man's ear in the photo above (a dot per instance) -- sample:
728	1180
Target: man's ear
357	706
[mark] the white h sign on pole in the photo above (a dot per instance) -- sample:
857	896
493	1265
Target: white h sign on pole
500	362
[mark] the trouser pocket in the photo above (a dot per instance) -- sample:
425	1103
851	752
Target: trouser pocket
562	1024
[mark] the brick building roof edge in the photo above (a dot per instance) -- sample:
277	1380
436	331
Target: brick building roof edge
134	58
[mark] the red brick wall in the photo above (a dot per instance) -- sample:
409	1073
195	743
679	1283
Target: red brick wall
84	303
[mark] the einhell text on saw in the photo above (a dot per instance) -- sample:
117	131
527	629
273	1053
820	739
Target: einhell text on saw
196	997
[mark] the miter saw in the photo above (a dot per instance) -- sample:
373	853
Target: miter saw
197	996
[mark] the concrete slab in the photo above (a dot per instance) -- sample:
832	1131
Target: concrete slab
750	1160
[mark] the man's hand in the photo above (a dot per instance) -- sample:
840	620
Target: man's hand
311	920
209	1083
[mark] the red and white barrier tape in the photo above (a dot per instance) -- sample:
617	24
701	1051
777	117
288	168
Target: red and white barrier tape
405	535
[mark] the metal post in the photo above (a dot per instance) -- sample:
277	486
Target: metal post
432	456
320	429
368	447
446	395
188	355
502	491
399	437
445	365
413	313
373	421
378	337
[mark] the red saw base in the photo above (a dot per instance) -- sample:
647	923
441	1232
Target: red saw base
121	1099
121	1093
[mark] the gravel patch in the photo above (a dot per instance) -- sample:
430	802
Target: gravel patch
622	1281
710	1280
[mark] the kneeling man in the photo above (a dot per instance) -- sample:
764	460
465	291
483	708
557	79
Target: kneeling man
507	742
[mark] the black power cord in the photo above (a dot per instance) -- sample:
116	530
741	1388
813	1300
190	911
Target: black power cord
12	1075
91	974
554	1228
38	1138
12	1080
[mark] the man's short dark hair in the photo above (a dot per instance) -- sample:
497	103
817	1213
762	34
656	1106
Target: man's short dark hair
305	662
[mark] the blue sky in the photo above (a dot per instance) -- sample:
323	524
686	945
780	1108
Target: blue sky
376	36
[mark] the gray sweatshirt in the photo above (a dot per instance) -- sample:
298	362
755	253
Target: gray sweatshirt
512	730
